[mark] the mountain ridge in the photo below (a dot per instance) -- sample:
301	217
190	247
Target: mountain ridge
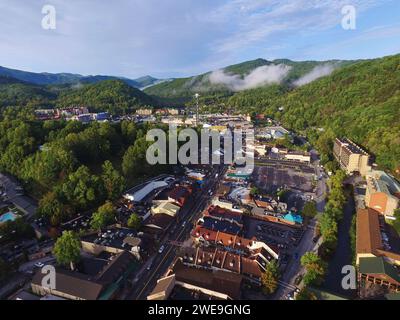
47	78
182	89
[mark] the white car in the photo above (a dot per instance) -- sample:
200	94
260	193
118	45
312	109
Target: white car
161	249
39	264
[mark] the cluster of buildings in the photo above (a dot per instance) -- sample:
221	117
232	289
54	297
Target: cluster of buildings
382	189
222	257
272	132
158	202
80	114
382	193
376	259
99	278
166	209
108	259
220	261
377	246
161	112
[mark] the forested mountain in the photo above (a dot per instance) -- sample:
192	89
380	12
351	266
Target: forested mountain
181	90
146	81
114	96
46	78
15	92
360	101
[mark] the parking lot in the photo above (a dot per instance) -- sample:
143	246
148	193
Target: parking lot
270	179
79	223
283	236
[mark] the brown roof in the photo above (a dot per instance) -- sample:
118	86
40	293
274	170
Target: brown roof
251	267
160	221
205	257
368	232
114	269
72	283
232	262
219	212
219	259
207	234
218	281
179	192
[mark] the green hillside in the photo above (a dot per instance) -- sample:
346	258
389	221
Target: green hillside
114	96
14	92
181	90
360	101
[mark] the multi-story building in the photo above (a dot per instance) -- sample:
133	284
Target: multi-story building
201	283
144	112
371	240
351	157
298	156
382	193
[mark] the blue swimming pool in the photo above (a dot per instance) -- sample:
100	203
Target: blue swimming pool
9	216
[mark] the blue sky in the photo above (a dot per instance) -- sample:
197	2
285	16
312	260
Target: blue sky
173	38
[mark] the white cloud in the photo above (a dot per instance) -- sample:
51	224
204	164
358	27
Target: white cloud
258	77
314	74
256	21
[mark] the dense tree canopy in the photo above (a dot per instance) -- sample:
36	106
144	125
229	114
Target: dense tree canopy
104	216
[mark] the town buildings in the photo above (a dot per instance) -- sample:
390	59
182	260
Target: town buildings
217	285
144	112
101	281
298	156
382	193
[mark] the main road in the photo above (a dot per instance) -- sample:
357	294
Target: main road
161	261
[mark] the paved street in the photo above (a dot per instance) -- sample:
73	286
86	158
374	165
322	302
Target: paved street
30	266
162	261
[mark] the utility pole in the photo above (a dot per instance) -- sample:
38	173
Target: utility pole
197	108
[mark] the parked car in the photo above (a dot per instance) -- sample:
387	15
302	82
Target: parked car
39	264
161	249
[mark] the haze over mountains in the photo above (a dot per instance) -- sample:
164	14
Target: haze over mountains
244	76
46	78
